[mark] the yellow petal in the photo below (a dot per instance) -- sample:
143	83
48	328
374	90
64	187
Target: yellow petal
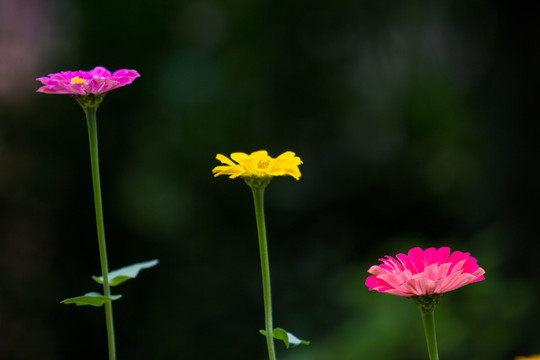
258	164
259	154
225	160
286	155
239	156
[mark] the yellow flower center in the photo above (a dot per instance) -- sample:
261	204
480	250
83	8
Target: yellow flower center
263	164
77	80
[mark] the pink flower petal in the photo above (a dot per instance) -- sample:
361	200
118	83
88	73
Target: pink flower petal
442	255
96	81
404	259
417	258
424	272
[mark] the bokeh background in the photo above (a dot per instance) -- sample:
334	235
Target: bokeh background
417	122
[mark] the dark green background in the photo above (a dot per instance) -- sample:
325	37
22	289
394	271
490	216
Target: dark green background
417	123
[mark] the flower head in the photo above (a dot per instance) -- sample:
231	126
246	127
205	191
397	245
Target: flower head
532	357
93	82
424	272
258	165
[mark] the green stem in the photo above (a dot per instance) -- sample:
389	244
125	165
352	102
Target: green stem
428	318
258	198
94	160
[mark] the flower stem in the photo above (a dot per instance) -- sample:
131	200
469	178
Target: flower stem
258	198
428	318
94	160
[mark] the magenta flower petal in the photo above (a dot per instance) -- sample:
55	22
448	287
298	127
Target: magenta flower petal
424	272
96	81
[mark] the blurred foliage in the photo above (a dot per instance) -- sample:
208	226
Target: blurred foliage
413	122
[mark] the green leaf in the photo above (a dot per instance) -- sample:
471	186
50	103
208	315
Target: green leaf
289	339
121	275
91	298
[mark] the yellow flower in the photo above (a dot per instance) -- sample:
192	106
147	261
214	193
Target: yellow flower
532	357
258	164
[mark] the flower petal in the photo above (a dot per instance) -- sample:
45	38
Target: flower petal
260	164
96	81
424	272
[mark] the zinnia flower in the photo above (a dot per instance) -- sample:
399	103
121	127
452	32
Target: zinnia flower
93	82
424	272
258	164
532	357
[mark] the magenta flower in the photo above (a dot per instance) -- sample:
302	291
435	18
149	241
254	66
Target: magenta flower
424	272
93	82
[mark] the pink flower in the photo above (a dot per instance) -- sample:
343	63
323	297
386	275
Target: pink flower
424	272
97	81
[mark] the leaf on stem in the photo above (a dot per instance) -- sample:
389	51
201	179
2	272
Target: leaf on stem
91	298
289	339
126	273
